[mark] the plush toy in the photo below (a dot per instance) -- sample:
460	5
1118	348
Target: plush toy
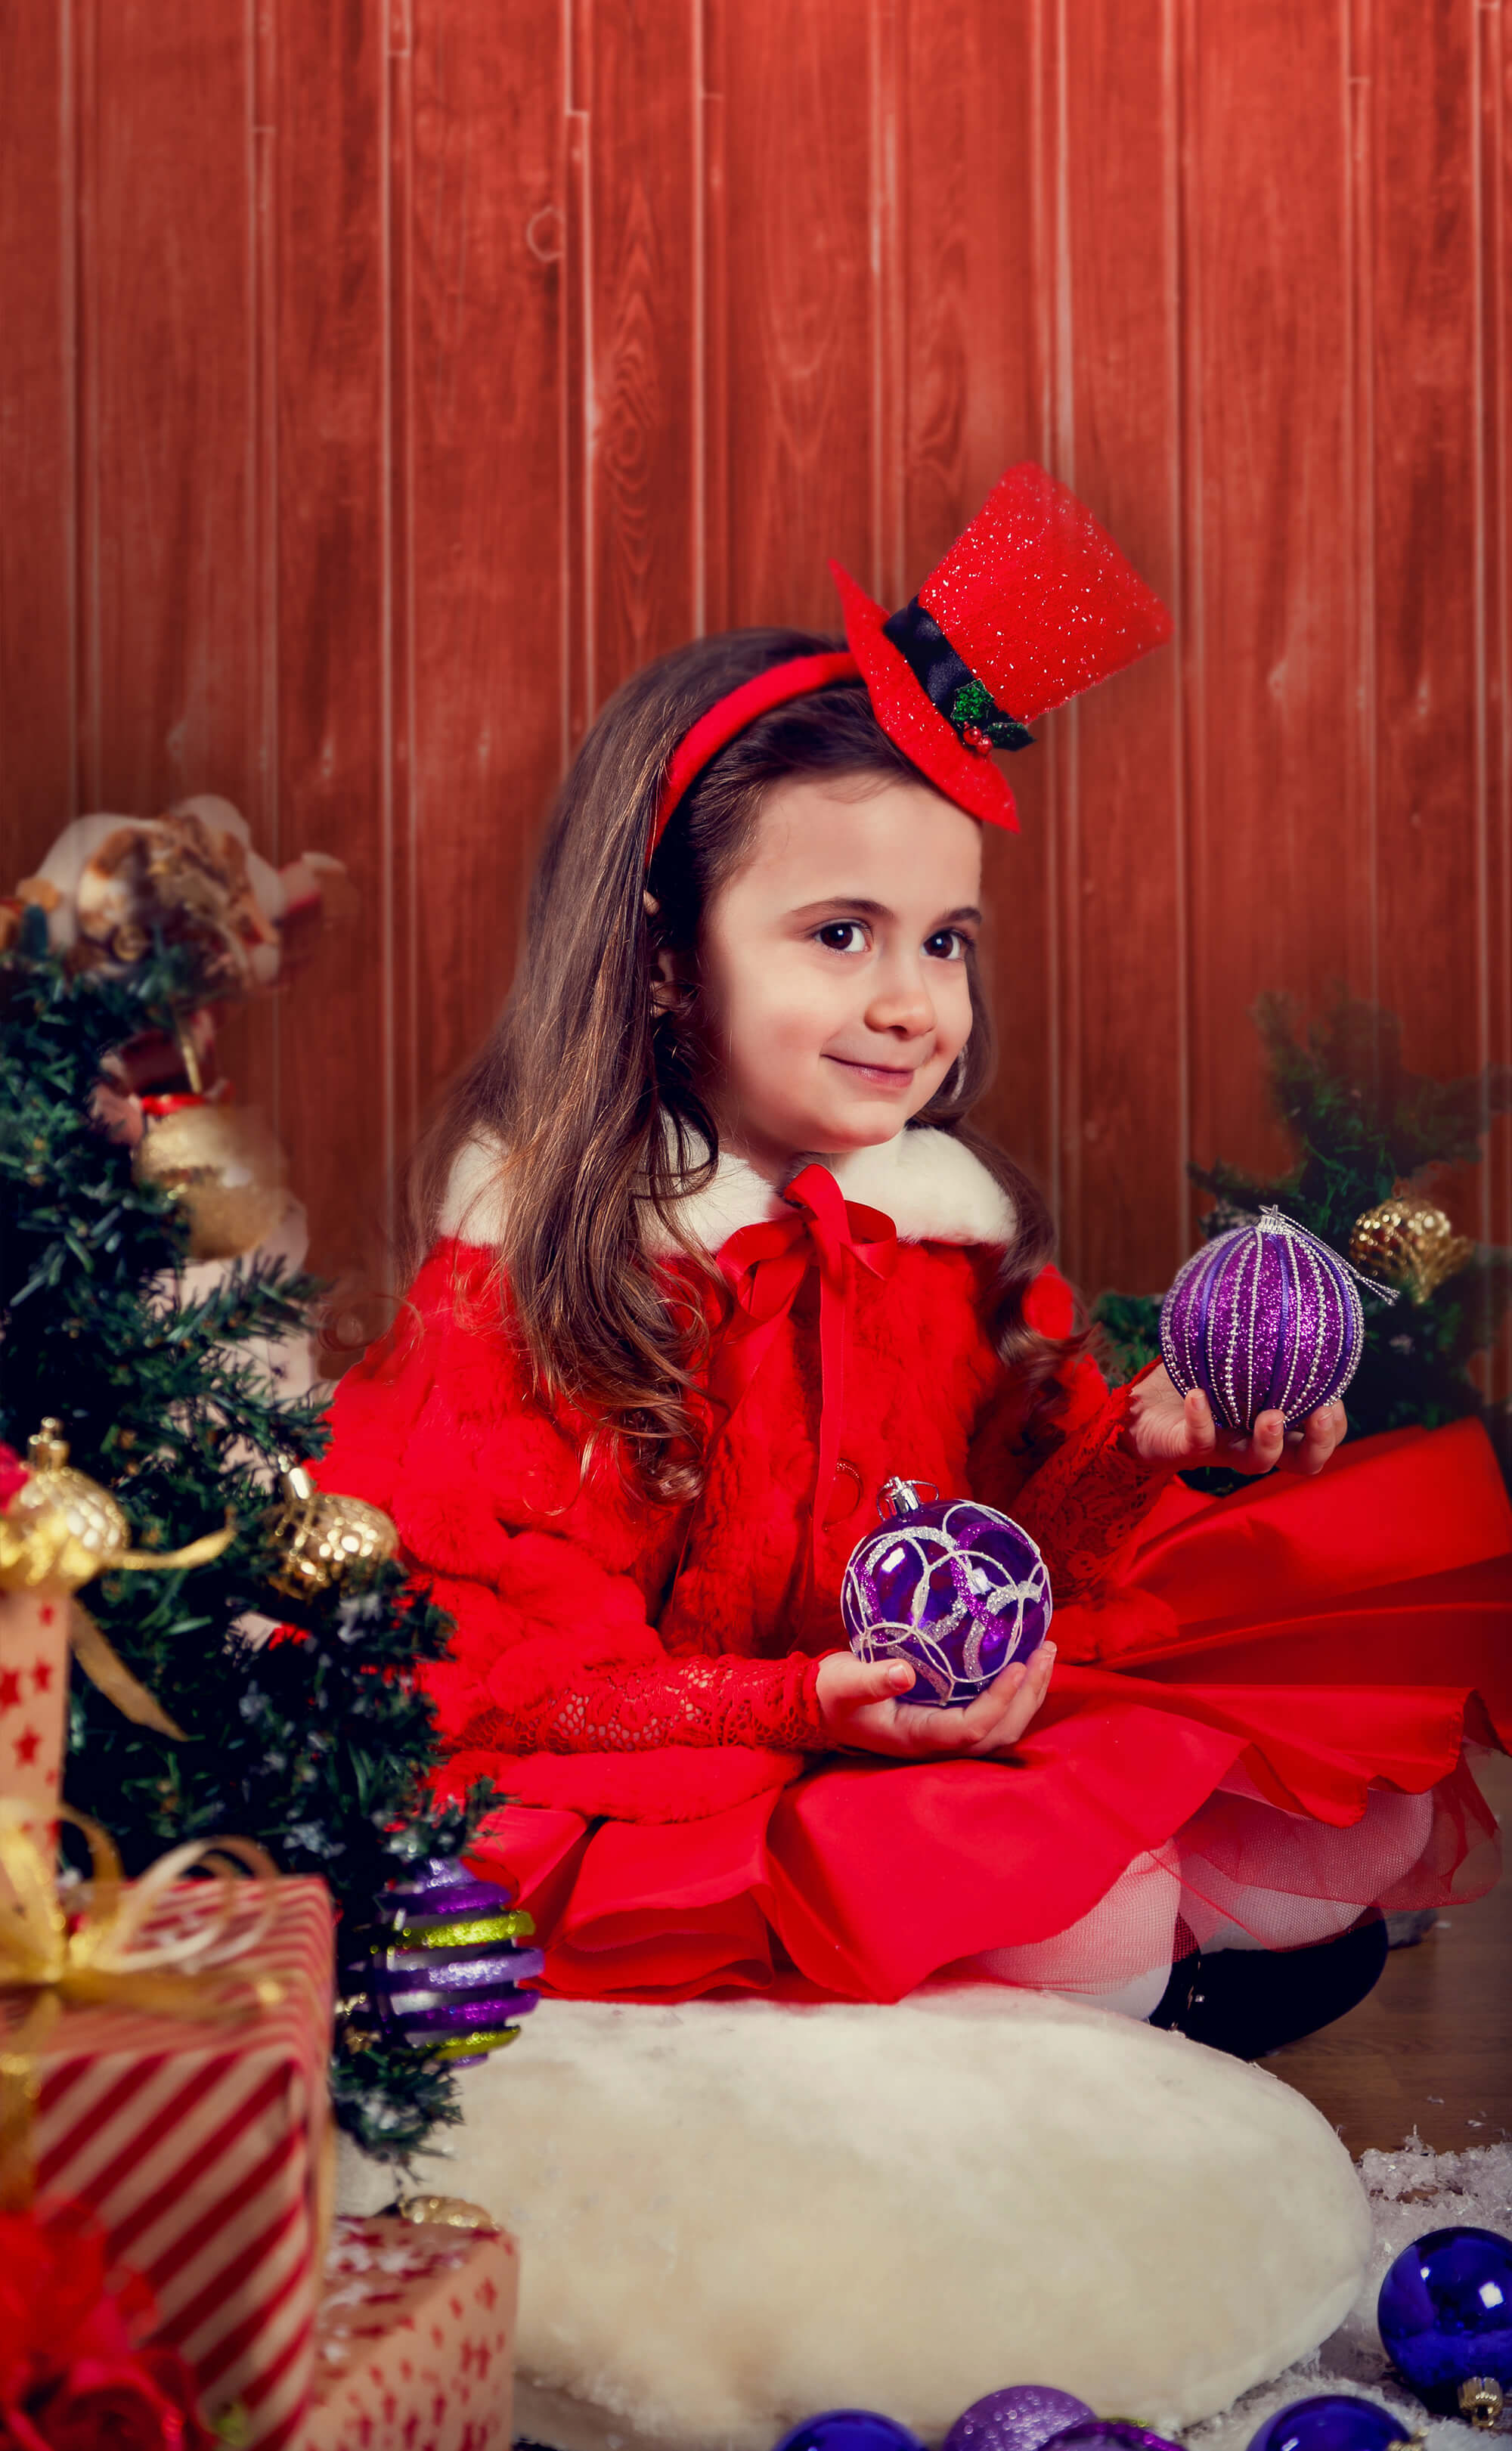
111	887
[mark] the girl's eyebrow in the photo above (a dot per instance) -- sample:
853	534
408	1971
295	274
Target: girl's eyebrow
861	903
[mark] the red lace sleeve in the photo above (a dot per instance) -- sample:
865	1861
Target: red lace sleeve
1071	1480
1088	1499
687	1702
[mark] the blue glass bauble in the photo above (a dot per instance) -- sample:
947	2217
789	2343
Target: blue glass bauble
1111	2434
444	1970
1446	2312
957	1590
1331	2420
1020	2417
850	2429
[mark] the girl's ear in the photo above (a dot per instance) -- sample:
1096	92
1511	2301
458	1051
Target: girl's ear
671	986
667	990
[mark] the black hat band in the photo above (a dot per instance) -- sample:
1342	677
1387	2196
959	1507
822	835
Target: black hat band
950	684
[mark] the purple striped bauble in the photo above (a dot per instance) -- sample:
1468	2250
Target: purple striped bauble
1263	1319
444	1970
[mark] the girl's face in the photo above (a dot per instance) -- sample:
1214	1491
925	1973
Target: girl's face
833	966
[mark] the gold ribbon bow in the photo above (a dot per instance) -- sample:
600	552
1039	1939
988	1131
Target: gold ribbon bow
106	1955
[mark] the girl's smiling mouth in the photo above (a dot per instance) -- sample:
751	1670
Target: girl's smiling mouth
879	1076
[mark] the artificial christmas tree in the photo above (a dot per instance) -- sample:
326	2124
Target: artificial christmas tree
304	1725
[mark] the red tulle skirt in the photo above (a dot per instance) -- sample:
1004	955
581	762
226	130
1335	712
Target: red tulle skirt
1262	1734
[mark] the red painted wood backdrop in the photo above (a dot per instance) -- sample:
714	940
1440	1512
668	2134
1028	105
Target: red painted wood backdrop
382	380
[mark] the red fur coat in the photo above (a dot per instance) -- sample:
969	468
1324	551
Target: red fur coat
658	1664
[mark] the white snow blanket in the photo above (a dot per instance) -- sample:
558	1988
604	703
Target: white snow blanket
734	2214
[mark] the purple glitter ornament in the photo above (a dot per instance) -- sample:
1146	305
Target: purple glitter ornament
1022	2418
952	1587
442	1970
1265	1318
1332	2420
1111	2434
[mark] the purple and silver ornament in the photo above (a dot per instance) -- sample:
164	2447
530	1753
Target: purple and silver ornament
957	1590
444	1972
1265	1318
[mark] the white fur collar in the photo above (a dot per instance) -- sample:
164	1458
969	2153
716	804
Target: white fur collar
930	1185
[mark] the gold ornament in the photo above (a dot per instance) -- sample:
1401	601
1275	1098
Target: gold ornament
1410	1242
321	1535
225	1170
96	1529
60	1530
453	2212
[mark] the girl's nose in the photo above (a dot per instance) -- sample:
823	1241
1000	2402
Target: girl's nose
901	1002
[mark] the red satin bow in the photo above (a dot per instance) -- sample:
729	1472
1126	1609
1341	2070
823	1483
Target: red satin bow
764	1266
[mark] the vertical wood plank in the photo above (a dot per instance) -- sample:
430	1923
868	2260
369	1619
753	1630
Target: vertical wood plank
400	915
1122	902
486	499
38	466
799	207
1493	171
712	373
169	363
643	144
1431	509
577	560
328	343
1432	960
1280	885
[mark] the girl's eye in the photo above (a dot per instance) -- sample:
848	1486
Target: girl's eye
842	936
947	945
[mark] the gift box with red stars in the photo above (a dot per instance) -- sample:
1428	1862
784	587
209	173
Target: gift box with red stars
414	2340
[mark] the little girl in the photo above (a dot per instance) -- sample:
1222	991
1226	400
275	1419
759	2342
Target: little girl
710	1253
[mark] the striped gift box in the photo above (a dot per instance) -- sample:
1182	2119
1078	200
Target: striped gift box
202	2149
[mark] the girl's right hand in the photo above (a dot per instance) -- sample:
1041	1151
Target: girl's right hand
866	1707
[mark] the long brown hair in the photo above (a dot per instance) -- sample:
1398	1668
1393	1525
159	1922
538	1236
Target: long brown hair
592	1097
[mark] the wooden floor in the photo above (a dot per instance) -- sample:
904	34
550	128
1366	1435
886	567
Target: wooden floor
1431	2047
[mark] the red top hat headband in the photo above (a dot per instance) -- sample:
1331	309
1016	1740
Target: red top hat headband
1033	604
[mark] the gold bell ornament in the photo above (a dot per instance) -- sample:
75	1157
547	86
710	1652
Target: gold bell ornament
321	1536
1410	1242
225	1169
58	1529
450	2212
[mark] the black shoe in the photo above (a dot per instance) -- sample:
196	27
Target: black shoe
1248	2002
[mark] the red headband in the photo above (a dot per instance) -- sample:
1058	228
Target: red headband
712	732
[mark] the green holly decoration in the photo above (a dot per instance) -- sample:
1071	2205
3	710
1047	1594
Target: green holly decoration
974	705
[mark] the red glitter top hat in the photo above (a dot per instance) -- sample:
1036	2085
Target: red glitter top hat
1033	604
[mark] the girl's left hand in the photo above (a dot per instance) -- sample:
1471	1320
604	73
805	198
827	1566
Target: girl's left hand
1165	1428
